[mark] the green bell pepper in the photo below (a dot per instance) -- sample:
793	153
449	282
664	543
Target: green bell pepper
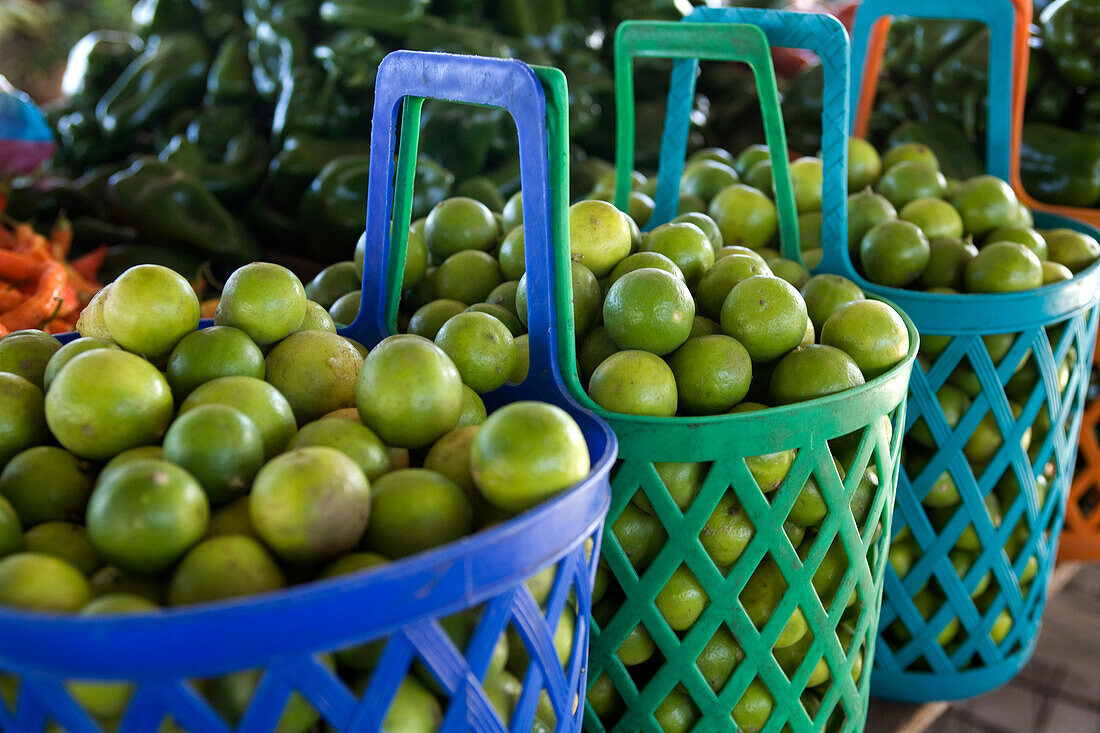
278	229
1050	102
394	17
95	62
230	77
168	75
352	56
160	18
41	197
232	176
169	206
431	184
336	207
213	127
1060	166
960	83
278	48
1071	35
459	137
1090	114
524	18
219	18
307	104
295	166
83	144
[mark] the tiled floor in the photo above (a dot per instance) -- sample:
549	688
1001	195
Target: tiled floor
1059	691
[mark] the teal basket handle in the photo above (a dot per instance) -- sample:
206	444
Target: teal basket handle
405	80
999	16
687	43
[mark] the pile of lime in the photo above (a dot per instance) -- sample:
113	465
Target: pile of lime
149	464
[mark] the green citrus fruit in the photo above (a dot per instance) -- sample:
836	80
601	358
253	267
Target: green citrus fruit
809	230
97	418
910	152
150	308
934	217
145	515
704	222
265	300
766	315
806	174
429	318
866	210
634	383
748	157
718	154
719	658
513	211
62	356
587	298
703	326
911	180
228	566
219	446
947	261
682	482
650	310
639	207
1023	235
351	438
685	244
473	408
1074	250
416	261
316	319
712	374
505	295
27	353
316	371
523	360
47	484
512	256
203	356
457	224
985	203
789	270
599	236
760	176
346	307
745	216
414	510
450	457
481	347
762	595
705	178
468	277
260	402
332	282
640	535
813	371
525	453
596	347
869	331
894	253
42	583
231	518
864	164
64	540
1055	273
409	392
1004	267
641	260
90	322
682	600
11	529
727	532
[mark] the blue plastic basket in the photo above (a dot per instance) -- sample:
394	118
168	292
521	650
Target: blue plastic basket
1056	323
403	602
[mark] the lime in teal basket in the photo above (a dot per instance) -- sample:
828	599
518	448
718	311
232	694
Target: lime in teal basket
528	579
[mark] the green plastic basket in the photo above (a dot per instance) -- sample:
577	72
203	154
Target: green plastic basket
859	430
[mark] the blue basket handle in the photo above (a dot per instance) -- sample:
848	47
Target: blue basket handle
405	79
687	43
825	36
999	16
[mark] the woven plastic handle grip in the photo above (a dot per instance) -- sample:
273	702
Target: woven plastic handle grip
688	43
826	36
1005	92
405	79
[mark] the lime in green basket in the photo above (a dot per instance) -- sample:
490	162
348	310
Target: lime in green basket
721	653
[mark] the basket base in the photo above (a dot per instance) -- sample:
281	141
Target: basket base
930	687
1078	548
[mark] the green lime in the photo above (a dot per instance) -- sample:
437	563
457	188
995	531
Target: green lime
599	236
806	175
705	223
682	481
869	331
634	383
789	270
129	456
911	180
90	322
316	319
928	603
265	300
766	315
27	353
745	216
587	298
205	355
603	698
719	658
310	504
11	529
763	594
649	309
316	371
720	155
523	360
145	515
985	203
97	418
641	260
749	156
150	308
813	371
910	152
947	262
468	277
415	509
62	356
512	255
639	207
458	224
640	535
825	293
865	211
682	599
231	694
953	403
1023	235
413	710
217	445
411	299
1004	267
513	211
502	314
525	453
333	281
481	347
934	217
809	230
64	540
812	257
505	295
703	326
727	532
705	178
231	518
482	189
1072	249
894	253
712	374
42	583
409	392
596	347
450	457
473	409
685	244
429	318
346	308
761	255
1055	273
760	176
228	566
353	439
260	402
46	484
690	204
864	164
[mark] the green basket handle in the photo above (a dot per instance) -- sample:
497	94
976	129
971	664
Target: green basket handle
695	41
